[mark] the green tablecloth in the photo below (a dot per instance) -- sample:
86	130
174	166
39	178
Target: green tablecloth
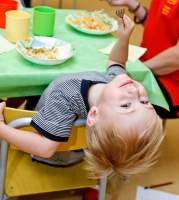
20	77
142	74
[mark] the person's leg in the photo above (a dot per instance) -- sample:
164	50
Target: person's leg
32	102
15	102
27	3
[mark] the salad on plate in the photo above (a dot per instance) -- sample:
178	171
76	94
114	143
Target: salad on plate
96	22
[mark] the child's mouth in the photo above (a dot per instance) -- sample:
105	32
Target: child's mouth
126	83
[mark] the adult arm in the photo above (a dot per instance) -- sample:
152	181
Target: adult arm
166	62
119	53
29	142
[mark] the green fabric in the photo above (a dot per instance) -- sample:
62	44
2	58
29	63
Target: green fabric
20	77
139	72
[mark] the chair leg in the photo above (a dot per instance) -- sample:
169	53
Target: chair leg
96	193
74	4
60	4
6	197
102	188
164	123
43	2
3	162
22	3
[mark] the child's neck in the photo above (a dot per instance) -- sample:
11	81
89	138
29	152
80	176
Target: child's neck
94	93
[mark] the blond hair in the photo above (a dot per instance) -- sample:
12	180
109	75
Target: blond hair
109	153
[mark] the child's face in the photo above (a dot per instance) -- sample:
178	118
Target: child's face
125	97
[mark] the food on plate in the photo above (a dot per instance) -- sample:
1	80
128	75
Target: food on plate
45	50
42	53
96	20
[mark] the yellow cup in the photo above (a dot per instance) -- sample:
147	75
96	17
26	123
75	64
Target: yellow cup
17	25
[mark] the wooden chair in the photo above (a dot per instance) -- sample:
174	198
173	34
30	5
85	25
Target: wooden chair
60	3
20	176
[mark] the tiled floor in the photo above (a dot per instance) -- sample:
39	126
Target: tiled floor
166	169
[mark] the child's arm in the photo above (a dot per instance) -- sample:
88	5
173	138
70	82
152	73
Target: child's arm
26	141
119	53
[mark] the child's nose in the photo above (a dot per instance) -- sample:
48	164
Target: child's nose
131	87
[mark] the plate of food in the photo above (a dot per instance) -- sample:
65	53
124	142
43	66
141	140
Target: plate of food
45	50
96	22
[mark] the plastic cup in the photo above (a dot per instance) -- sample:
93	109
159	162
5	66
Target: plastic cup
6	5
17	25
43	21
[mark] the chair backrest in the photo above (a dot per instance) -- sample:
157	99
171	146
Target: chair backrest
16	181
23	117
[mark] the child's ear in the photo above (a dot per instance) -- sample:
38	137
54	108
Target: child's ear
92	116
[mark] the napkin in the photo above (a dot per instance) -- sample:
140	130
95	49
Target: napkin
64	51
47	42
38	42
135	52
5	45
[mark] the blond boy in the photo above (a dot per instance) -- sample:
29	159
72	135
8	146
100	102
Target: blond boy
123	129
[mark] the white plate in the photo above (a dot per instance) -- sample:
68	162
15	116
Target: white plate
93	32
64	55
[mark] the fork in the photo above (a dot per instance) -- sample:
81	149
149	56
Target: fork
120	13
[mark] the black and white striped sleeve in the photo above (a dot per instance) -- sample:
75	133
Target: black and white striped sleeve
115	70
56	118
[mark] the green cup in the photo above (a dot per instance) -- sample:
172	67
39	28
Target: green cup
43	21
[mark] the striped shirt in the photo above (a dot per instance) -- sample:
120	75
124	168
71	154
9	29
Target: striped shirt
66	99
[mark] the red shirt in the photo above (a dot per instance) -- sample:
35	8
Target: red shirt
162	32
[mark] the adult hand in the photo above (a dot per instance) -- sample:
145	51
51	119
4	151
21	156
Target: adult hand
2	107
128	3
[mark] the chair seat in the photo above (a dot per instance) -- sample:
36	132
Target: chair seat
25	177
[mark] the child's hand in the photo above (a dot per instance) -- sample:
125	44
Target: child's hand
126	26
2	107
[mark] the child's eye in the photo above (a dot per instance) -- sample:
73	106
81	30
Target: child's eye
144	102
126	105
